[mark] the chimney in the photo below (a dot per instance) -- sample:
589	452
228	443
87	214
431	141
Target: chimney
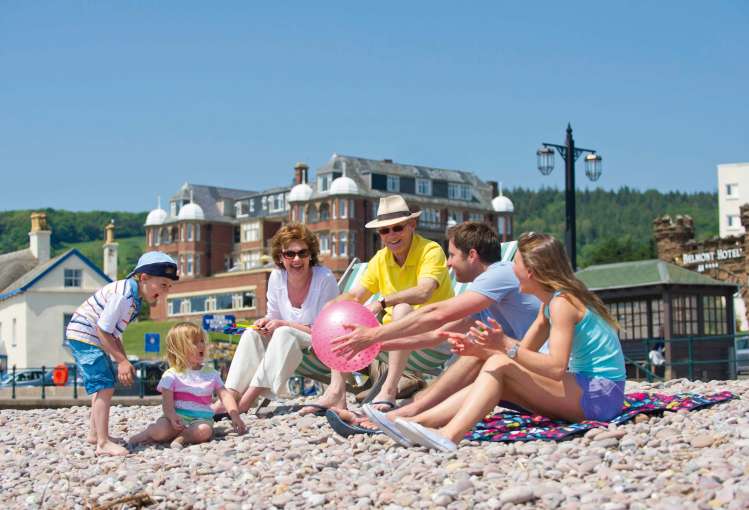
110	251
495	188
300	173
39	237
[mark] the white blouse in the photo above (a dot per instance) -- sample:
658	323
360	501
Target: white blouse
322	289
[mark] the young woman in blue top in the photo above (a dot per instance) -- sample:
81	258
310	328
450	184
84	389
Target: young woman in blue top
581	377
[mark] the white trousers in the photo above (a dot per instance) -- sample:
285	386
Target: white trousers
264	363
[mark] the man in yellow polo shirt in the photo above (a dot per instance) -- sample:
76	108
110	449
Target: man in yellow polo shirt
407	272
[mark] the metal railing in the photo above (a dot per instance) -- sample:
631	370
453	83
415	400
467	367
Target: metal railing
685	352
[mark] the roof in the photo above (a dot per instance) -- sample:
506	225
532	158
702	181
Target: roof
14	265
27	280
207	197
357	168
643	273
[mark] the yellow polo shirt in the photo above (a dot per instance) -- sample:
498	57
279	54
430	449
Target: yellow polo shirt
425	260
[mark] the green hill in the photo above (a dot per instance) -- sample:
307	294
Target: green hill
128	251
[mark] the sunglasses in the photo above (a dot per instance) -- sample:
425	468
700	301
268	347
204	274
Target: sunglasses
291	254
386	230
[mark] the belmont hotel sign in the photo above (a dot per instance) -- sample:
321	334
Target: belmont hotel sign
711	259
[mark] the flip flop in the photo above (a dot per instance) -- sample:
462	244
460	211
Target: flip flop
389	403
346	429
321	410
386	425
424	436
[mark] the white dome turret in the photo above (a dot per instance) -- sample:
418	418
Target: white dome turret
502	204
344	186
191	211
157	216
300	193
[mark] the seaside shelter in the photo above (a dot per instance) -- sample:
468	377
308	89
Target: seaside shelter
656	301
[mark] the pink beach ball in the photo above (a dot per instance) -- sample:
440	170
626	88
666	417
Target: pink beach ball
329	325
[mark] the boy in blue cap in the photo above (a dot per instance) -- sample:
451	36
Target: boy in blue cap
94	336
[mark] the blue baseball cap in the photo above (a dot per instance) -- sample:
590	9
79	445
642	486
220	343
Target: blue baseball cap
156	263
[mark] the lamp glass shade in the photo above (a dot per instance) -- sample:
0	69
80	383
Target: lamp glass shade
545	160
593	166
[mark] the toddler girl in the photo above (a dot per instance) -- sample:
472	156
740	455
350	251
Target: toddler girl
187	388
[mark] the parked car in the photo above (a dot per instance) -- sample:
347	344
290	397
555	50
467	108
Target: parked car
742	355
150	372
23	377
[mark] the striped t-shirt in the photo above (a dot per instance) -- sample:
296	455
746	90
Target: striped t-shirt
111	308
193	391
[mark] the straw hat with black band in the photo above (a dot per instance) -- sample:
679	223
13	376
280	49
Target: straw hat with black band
392	210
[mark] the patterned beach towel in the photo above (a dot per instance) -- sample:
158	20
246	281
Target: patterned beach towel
510	426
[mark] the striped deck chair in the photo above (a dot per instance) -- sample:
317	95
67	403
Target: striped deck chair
432	361
423	361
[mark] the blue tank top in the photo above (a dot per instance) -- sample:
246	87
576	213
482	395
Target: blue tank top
596	350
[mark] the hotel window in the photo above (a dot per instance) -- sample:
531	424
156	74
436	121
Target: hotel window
264	203
476	217
333	247
156	237
250	231
352	243
325	244
324	211
429	217
342	244
184	306
342	204
252	206
312	214
423	187
323	182
241	208
466	191
394	183
197	265
732	190
190	231
170	307
197	232
72	277
733	220
190	264
453	191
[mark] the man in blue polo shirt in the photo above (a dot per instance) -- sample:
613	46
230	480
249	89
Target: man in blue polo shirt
474	251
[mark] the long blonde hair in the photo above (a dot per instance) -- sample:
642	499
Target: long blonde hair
545	257
180	344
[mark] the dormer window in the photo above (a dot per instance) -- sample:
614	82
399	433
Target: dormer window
394	184
423	187
323	182
456	191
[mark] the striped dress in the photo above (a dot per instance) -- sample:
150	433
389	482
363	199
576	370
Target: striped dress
111	308
193	392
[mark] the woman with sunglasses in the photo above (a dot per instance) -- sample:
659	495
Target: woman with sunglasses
270	350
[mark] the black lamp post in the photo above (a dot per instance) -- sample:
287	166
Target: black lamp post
569	153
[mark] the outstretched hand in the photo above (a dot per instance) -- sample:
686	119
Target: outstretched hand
352	343
481	341
491	337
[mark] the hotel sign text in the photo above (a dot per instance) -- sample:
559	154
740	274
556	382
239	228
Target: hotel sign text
711	259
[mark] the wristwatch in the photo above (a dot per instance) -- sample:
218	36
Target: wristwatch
382	302
512	352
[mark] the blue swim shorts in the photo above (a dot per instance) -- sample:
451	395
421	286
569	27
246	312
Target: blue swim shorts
602	398
95	366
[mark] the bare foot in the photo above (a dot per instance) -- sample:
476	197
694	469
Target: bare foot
178	443
110	448
354	418
92	440
325	402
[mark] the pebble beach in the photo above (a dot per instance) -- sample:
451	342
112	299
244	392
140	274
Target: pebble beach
680	460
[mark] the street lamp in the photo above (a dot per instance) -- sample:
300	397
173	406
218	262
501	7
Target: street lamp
569	153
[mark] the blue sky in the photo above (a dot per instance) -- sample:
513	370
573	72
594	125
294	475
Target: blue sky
104	105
